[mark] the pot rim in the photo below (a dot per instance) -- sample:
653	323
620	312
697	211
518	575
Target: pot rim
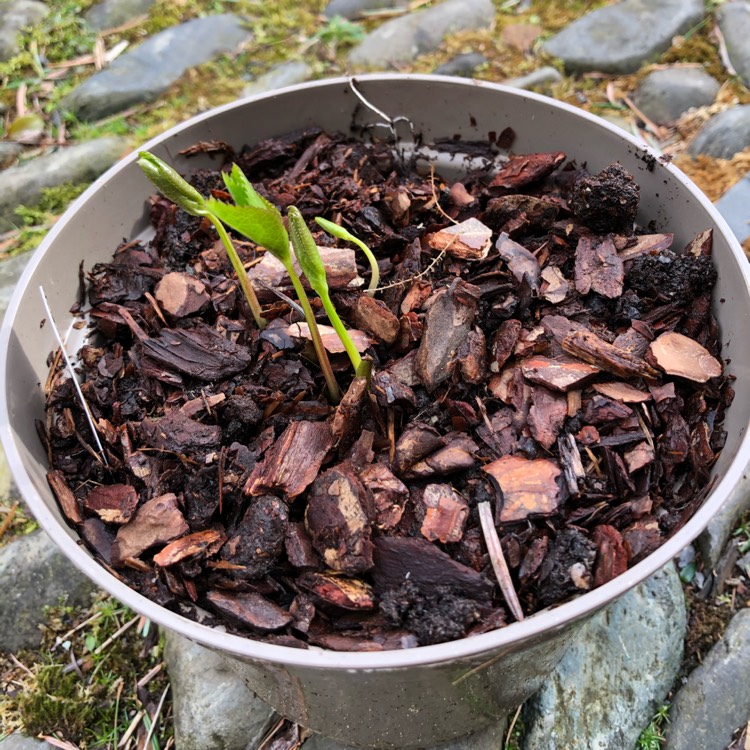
506	637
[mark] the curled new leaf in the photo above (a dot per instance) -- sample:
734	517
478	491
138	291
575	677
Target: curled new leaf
242	191
171	184
343	234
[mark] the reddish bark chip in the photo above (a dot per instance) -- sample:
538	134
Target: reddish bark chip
373	316
181	294
345	593
445	515
250	609
526	168
529	486
622	392
389	494
558	374
611	557
114	503
68	501
469	240
679	355
598	267
198	545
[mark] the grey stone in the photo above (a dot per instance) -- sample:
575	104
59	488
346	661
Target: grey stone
14	15
22	185
151	68
462	65
10	271
715	700
110	13
666	94
286	74
724	134
734	206
403	39
538	77
213	710
21	742
9	153
618	670
355	8
491	738
619	38
734	23
41	576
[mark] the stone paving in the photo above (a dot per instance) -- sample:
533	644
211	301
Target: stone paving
626	662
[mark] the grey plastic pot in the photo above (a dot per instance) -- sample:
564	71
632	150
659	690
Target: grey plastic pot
397	699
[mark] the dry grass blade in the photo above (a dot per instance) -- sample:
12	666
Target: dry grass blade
155	717
498	560
131	729
512	725
8	520
116	635
60	743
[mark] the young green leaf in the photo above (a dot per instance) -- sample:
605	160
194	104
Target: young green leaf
308	255
242	191
261	225
171	184
343	234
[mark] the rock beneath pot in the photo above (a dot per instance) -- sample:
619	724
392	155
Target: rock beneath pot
734	206
14	16
712	541
23	185
619	38
213	709
9	153
286	74
617	672
21	742
405	38
110	13
724	134
734	24
715	700
668	93
150	69
540	77
461	65
357	8
35	575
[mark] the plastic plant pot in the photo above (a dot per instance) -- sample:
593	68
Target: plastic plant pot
395	699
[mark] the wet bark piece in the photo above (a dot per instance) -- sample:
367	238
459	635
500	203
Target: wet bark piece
522	264
529	486
527	168
344	593
251	610
389	494
469	240
193	546
472	357
337	522
622	392
646	244
416	441
199	352
504	342
299	549
679	355
547	416
68	501
456	455
525	211
347	421
555	286
341	272
258	542
450	315
293	462
157	521
639	456
114	503
330	338
445	514
590	348
560	375
180	294
598	267
178	433
373	316
398	559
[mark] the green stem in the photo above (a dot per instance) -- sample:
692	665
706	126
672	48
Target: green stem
375	279
239	269
334	391
338	326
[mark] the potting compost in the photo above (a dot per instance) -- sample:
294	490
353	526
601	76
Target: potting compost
532	349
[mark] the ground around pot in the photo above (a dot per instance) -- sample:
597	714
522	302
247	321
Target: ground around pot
37	76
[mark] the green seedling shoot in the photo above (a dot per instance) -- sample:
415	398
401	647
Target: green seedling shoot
308	257
172	186
260	221
343	234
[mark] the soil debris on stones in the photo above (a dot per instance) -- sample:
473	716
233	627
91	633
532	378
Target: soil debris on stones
533	348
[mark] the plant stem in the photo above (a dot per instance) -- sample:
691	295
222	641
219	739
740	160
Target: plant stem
343	334
239	269
374	268
334	391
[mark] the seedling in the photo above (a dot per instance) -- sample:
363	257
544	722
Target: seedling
338	231
254	217
180	192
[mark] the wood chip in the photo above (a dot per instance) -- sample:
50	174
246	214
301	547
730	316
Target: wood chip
560	375
250	609
679	355
193	546
590	348
68	501
373	316
598	267
522	264
468	240
639	456
445	515
527	168
555	286
389	494
645	244
622	392
529	486
547	415
331	341
344	593
181	294
114	503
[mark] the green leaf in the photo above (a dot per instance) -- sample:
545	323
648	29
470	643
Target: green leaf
261	225
336	230
242	191
308	255
171	184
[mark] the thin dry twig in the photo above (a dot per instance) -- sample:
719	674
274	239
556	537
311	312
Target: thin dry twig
8	519
116	635
155	717
131	729
513	725
497	558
